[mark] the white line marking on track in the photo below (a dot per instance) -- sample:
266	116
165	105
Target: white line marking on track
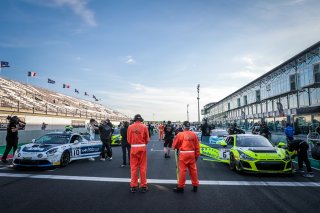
164	181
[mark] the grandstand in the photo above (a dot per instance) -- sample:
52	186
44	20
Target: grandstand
27	99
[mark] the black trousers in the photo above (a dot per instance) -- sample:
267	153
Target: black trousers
106	144
303	156
11	143
126	148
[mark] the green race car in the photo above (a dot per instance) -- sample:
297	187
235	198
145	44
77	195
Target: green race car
116	138
248	153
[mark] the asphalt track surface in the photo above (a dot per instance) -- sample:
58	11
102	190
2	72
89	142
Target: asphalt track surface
85	186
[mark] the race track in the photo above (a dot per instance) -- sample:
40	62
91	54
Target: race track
86	186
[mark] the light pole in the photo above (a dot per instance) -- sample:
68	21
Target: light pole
198	89
187	112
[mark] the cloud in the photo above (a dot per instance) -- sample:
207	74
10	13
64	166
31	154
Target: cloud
250	67
167	103
79	7
295	2
130	60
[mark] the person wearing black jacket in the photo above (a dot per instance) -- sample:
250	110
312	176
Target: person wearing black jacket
264	130
124	144
205	131
106	131
12	137
300	147
168	139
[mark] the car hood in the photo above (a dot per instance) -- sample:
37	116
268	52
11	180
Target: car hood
38	147
263	152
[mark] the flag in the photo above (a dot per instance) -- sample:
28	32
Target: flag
4	64
66	86
50	81
77	91
32	74
85	93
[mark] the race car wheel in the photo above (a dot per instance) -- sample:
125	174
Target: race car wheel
65	159
232	163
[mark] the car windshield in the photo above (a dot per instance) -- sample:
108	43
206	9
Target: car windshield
219	133
53	139
116	131
252	141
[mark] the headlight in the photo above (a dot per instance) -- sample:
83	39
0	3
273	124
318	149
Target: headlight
52	151
245	157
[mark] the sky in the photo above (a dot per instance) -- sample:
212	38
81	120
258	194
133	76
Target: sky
148	56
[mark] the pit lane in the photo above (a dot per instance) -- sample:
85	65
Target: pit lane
85	186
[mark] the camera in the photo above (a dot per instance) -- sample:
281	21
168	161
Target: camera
16	121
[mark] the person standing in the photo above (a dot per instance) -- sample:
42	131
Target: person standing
105	136
189	151
11	138
44	126
92	127
138	138
300	147
124	144
289	131
264	130
161	131
168	139
205	131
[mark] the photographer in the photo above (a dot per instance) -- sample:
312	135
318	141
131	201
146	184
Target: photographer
12	136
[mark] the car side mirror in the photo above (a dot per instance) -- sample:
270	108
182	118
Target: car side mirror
281	144
222	143
33	140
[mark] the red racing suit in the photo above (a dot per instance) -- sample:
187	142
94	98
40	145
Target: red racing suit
189	151
138	138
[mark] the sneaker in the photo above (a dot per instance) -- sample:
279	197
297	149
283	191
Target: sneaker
178	189
168	156
102	159
133	189
308	175
144	189
110	159
299	170
123	165
91	159
195	188
165	156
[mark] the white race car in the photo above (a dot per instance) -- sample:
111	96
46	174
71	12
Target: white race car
56	149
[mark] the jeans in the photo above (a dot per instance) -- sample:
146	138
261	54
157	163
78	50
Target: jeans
126	148
106	144
11	143
303	156
205	139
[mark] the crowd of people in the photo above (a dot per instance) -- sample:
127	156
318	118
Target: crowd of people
135	136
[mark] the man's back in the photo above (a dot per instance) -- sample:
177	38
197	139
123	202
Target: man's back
138	133
187	141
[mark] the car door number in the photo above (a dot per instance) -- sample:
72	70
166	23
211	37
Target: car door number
76	152
224	153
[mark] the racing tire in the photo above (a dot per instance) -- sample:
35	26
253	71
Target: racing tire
65	159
